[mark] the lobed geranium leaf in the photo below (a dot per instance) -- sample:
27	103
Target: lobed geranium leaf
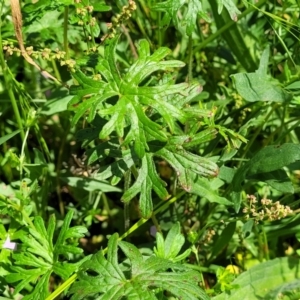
147	180
174	241
188	17
102	278
200	137
91	96
112	254
39	256
171	246
110	57
185	162
128	105
100	152
134	255
117	168
231	8
41	289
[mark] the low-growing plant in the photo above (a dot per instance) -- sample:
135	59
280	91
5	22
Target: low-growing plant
168	115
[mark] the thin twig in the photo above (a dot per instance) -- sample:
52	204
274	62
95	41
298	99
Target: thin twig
17	21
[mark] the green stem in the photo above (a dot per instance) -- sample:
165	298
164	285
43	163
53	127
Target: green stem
265	246
106	204
22	155
143	31
42	142
258	130
228	25
92	36
159	29
156	224
63	287
195	251
45	184
8	84
190	62
66	17
131	43
55	69
27	218
127	183
296	125
58	168
96	203
260	241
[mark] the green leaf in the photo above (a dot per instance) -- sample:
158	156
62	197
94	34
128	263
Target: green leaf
102	278
247	228
170	8
7	137
184	163
41	289
277	179
88	96
147	180
134	255
269	159
231	8
92	96
222	240
285	290
90	184
112	254
100	7
108	148
117	169
194	10
261	280
26	276
226	174
264	163
39	256
202	188
172	245
174	241
200	137
55	106
50	19
128	106
188	17
232	34
272	158
259	86
293	86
